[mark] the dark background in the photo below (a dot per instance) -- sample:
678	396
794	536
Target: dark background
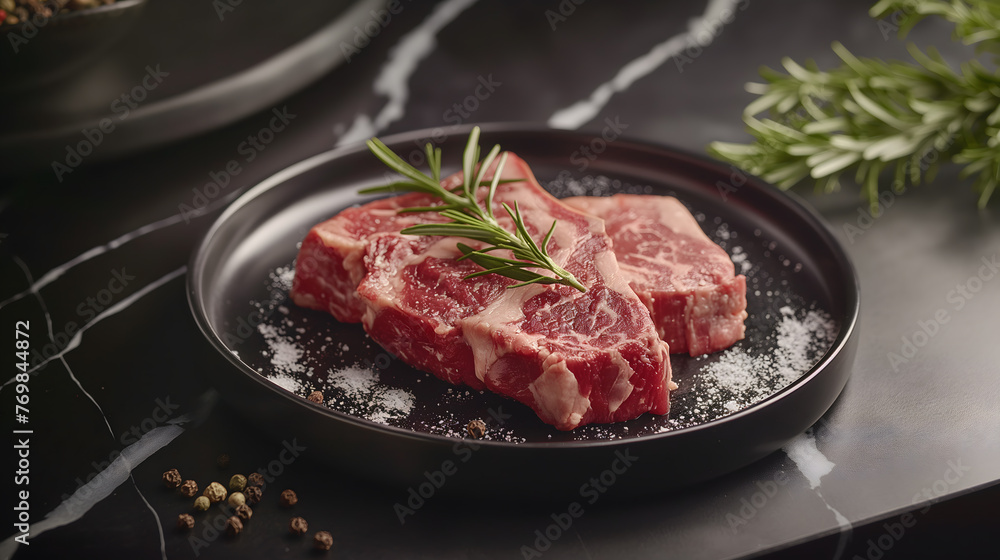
891	433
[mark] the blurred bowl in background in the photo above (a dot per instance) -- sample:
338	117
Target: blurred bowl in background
40	50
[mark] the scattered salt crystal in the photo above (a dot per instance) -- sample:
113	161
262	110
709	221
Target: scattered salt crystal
285	354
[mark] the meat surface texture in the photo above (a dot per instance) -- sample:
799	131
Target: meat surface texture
687	282
574	358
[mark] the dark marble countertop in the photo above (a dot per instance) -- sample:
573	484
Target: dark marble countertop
95	261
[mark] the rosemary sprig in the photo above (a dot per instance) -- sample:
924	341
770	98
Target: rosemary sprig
869	115
469	219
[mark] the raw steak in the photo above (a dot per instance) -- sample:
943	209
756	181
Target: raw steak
685	279
575	358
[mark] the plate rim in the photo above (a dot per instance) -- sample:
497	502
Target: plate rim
788	199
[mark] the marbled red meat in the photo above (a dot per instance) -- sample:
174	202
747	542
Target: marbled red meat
574	358
687	282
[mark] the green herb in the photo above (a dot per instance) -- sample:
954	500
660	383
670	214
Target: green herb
869	115
469	219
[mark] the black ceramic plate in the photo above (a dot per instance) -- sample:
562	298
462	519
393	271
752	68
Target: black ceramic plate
385	420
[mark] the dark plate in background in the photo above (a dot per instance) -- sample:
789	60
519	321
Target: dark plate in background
803	305
223	64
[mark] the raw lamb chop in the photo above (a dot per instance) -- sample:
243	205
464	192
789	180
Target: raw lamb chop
687	282
575	358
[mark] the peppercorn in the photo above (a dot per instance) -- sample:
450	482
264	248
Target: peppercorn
237	483
316	397
252	494
237	499
323	540
255	479
234	526
189	488
223	461
201	503
288	498
476	428
215	492
172	478
298	526
244	512
185	522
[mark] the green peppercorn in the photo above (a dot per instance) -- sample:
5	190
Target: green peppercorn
215	492
237	483
202	503
237	499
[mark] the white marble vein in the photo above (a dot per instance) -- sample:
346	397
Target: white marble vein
85	256
393	79
814	465
107	423
102	485
113	310
810	461
700	32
